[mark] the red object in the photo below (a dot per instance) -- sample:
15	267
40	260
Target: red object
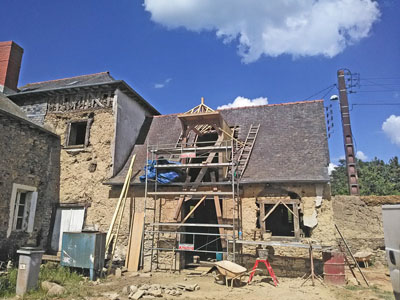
186	246
188	155
10	63
334	272
269	268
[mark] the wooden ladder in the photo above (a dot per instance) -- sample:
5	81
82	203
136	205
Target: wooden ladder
177	145
245	153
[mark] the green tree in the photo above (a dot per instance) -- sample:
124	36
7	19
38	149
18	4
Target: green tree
375	177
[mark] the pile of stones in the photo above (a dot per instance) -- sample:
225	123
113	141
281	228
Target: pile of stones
147	291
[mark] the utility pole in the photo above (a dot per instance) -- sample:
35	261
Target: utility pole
347	136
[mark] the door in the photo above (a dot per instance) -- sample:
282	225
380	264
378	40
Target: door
68	219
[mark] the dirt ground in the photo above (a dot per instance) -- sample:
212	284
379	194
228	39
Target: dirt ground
261	288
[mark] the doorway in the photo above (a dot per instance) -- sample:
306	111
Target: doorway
204	214
68	219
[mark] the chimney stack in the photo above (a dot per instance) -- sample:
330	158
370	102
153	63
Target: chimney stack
10	64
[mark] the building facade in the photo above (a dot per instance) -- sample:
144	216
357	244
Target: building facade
29	180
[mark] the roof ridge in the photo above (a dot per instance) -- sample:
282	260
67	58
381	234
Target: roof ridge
250	106
53	80
273	104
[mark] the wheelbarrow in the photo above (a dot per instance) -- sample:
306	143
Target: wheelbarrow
229	270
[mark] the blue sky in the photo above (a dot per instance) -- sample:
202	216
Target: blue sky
172	56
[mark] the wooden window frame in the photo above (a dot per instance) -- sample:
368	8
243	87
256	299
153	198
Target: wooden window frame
89	122
262	201
29	209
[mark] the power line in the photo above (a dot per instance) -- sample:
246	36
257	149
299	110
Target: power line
380	84
376	104
380	78
377	91
323	90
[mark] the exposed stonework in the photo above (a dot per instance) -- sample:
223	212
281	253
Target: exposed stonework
360	221
30	157
80	180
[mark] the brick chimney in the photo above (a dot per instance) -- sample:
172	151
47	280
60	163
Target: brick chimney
10	63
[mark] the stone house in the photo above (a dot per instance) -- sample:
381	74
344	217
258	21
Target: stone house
29	180
281	192
99	119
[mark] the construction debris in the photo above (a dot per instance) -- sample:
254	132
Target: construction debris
146	291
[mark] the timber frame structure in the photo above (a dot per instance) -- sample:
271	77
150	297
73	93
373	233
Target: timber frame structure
213	171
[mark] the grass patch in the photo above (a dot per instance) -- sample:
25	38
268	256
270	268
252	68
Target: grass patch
71	280
8	283
381	294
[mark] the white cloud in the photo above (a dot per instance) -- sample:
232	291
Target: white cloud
272	28
331	167
242	102
162	84
361	155
391	127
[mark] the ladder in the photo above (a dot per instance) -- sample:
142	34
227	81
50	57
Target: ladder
245	153
148	238
177	145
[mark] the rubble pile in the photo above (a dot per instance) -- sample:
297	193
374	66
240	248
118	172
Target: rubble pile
147	291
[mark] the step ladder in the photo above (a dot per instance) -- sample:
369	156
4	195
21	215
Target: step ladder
245	153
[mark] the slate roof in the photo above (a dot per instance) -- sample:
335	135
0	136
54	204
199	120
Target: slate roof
10	109
291	145
75	81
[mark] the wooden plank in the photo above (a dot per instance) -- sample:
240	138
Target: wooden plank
209	160
193	209
351	254
270	212
199	193
290	210
192	149
123	194
178	208
198	165
129	245
136	242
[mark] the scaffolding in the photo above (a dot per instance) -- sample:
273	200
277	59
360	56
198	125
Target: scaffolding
217	161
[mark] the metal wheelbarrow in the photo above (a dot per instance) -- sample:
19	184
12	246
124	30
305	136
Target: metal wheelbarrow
230	270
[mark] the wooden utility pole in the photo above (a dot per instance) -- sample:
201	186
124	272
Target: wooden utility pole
347	136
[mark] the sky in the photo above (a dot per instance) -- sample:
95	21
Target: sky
231	52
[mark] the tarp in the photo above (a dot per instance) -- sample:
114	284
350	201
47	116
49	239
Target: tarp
163	175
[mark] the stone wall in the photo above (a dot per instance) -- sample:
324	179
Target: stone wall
84	169
31	157
360	221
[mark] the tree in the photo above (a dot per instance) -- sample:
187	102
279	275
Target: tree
375	177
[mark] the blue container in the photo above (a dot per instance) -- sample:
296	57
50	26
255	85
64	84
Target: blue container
219	256
84	250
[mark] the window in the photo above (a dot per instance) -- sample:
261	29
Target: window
77	134
22	208
279	217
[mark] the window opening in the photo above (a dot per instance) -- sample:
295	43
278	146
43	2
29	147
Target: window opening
20	210
281	220
207	139
77	133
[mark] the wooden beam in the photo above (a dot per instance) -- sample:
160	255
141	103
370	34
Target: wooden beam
290	210
123	195
179	207
193	209
208	161
189	193
270	212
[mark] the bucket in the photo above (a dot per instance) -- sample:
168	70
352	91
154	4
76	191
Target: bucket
334	268
219	256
